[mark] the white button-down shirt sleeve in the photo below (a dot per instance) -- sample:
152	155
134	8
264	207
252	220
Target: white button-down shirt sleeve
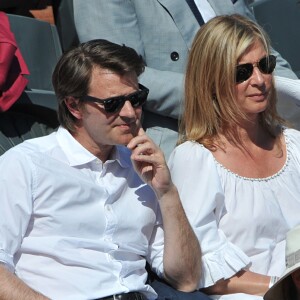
195	175
16	204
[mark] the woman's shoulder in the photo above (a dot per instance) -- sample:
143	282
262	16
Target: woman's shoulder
291	133
190	152
292	139
190	148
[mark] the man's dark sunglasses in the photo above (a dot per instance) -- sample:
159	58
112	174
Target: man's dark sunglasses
266	66
115	104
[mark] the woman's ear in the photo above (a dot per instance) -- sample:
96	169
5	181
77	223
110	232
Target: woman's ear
73	107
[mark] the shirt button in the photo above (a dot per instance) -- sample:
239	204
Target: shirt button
174	56
107	207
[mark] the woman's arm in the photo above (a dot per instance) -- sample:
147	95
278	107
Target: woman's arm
194	173
244	281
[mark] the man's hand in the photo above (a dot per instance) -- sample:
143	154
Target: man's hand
149	162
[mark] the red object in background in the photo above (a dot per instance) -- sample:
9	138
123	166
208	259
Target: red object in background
13	69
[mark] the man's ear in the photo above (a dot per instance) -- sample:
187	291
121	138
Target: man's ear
74	107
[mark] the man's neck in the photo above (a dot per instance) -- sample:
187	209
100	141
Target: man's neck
103	152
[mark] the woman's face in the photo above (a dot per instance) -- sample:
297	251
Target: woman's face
252	95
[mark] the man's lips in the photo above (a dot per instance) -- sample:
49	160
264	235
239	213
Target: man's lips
126	126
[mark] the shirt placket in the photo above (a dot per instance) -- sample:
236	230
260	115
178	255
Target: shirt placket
111	219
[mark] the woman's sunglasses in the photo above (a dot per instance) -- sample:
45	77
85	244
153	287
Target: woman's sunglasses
266	66
115	104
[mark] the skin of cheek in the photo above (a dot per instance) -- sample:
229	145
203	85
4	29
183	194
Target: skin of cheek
249	105
109	129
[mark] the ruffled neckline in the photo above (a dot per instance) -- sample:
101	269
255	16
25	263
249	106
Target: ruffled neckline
284	167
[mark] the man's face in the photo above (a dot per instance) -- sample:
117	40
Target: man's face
99	130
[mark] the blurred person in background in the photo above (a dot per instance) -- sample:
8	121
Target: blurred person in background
162	32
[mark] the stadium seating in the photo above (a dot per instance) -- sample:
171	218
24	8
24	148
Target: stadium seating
25	120
40	46
34	113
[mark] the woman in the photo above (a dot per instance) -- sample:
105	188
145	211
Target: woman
237	167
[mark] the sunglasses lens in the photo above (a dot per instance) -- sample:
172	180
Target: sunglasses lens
136	99
113	105
243	72
139	98
267	64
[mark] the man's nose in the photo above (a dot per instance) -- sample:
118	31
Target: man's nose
127	110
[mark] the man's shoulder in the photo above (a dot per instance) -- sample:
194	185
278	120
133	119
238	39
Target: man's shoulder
39	144
35	151
36	145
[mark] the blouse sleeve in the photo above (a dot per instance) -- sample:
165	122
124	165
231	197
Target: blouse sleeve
194	173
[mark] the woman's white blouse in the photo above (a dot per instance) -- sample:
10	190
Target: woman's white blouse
239	221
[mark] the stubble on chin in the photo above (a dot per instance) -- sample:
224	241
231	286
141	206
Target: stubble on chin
131	135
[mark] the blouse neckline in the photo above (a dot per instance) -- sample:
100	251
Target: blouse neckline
287	142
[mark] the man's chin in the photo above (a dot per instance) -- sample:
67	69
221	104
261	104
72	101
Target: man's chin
124	140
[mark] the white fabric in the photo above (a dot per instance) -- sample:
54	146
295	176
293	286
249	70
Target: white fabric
288	105
292	258
195	175
288	89
205	9
72	227
256	214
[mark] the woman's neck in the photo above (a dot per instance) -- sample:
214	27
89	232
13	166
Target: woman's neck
245	133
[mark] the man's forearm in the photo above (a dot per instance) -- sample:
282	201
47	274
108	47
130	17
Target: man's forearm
182	254
12	288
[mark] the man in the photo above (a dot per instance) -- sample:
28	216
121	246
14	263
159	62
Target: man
76	219
161	31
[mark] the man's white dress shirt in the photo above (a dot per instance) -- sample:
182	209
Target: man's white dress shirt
72	227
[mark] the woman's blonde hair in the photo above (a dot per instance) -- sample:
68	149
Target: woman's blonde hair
210	106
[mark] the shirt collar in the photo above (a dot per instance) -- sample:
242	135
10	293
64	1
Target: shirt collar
78	155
